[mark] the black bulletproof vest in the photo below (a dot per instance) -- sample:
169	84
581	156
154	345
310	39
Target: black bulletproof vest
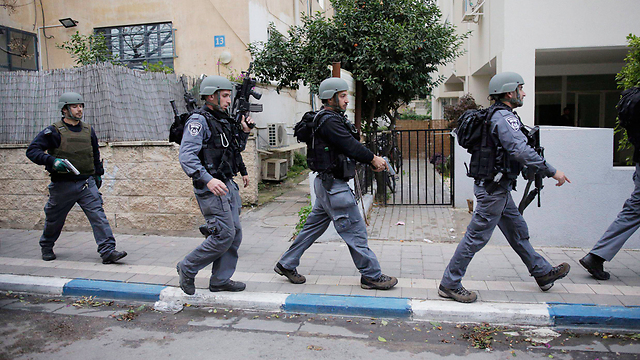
489	158
218	152
321	156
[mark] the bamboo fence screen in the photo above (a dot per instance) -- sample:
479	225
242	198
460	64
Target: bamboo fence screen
120	103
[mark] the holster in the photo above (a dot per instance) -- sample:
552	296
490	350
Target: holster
327	180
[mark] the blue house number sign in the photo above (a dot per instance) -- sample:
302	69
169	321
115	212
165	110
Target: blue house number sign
218	41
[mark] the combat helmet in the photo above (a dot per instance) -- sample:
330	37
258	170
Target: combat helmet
69	98
213	83
331	86
504	82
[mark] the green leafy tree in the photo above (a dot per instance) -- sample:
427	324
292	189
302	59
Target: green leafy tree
392	48
157	67
627	78
88	49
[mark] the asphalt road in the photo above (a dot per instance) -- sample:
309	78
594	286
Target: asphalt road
63	328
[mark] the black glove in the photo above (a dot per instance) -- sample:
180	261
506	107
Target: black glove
98	180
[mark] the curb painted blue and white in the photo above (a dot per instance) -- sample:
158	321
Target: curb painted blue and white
550	314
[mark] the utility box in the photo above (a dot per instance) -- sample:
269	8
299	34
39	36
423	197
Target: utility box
274	169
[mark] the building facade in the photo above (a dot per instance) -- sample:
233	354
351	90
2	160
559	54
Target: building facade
568	53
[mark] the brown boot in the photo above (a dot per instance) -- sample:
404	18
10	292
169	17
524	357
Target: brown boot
383	282
546	281
460	294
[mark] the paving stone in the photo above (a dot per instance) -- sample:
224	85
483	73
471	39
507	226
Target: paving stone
496	271
519	297
577	288
499	285
547	297
605	289
414	293
611	300
497	296
629	300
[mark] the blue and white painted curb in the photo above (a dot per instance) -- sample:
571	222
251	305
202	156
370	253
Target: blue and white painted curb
551	314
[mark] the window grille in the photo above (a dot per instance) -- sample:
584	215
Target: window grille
17	50
135	44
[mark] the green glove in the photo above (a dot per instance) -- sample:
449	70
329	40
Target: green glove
98	180
58	166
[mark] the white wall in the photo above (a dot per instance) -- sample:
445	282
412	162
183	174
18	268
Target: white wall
575	214
511	31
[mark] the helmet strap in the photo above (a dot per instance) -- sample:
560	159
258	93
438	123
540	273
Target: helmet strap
69	115
213	104
517	100
336	107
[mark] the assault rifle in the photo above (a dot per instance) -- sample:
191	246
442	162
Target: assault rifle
241	102
531	175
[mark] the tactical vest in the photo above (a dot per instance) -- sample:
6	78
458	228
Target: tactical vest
75	147
217	153
324	158
489	158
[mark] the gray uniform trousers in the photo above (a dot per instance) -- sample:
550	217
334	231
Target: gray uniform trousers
493	209
339	205
623	226
62	196
222	214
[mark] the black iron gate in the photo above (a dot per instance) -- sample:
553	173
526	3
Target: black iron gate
423	162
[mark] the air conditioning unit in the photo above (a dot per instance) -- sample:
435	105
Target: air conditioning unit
274	169
277	134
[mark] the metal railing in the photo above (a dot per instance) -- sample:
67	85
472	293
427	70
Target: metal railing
423	162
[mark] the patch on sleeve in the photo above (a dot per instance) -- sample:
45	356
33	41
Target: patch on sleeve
194	128
514	122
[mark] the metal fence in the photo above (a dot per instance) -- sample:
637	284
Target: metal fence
120	103
423	163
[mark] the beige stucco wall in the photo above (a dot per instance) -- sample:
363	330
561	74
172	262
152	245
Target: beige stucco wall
196	23
144	189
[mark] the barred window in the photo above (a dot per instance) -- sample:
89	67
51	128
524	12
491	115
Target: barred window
17	50
135	44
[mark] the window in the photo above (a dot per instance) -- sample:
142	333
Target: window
17	50
135	44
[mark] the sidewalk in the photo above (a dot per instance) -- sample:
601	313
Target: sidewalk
496	272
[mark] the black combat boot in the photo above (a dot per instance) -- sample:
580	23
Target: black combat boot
593	264
47	254
187	284
230	286
114	257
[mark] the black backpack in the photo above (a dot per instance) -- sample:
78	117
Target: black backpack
177	128
629	113
303	130
469	128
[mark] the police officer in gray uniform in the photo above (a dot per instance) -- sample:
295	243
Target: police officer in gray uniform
495	205
210	155
330	152
625	224
73	142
